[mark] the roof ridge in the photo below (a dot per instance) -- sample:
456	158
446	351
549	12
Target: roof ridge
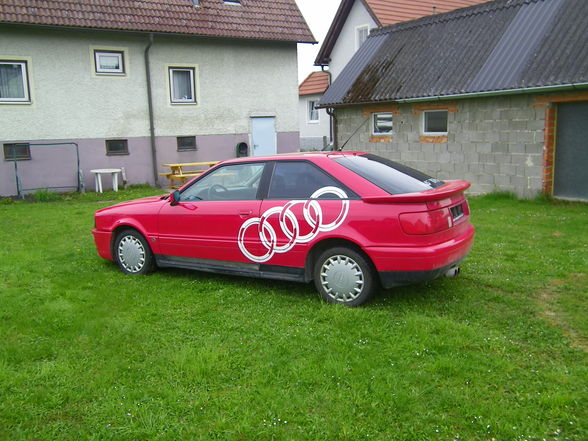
482	8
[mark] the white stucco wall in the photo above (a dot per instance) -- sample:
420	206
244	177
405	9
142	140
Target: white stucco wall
235	79
345	46
312	128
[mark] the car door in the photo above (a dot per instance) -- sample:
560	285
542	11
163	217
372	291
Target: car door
202	225
303	202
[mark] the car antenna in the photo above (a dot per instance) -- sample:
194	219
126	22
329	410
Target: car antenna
348	139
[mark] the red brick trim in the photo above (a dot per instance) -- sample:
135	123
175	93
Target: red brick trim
549	148
562	98
376	138
433	139
419	108
367	111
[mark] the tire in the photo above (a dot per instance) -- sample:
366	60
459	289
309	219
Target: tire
344	276
132	253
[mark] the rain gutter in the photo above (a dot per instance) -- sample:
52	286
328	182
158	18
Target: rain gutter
570	86
150	105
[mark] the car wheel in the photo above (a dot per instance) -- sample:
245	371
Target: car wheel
132	253
342	275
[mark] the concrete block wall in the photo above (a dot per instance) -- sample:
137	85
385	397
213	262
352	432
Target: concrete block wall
496	143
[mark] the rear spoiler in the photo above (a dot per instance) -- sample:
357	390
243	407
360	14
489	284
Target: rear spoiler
451	188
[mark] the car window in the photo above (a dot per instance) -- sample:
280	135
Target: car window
299	180
390	176
234	182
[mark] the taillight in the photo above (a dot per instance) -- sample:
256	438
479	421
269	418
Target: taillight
427	222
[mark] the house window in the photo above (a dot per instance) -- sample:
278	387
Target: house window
361	35
14	82
186	143
117	147
313	113
17	152
435	122
109	62
181	81
382	123
232	2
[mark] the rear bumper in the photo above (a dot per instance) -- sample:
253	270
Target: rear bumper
102	239
405	265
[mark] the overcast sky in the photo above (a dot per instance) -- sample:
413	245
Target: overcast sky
319	15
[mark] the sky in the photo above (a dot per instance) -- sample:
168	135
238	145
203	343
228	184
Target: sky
319	15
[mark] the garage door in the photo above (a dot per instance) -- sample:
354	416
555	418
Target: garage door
571	152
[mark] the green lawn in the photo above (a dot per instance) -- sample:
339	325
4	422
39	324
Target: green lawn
499	353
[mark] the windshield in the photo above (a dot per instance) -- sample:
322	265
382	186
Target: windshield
390	176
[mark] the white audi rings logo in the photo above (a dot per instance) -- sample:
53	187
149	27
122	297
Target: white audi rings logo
313	215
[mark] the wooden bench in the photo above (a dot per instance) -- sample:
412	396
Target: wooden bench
182	172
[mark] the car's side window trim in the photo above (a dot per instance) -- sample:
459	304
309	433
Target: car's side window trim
351	194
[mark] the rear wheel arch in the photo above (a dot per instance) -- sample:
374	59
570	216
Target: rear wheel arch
325	244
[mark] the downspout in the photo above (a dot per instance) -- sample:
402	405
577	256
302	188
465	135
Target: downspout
150	105
331	113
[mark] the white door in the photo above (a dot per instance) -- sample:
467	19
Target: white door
263	134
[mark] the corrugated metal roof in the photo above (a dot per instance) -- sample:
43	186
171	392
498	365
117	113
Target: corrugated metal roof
496	46
384	13
279	20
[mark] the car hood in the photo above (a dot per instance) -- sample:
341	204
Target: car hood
141	201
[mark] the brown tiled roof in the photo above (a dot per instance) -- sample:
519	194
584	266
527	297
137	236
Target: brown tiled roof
316	82
384	13
389	12
279	20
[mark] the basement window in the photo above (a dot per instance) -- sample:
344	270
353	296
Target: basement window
232	2
116	147
435	122
17	152
382	123
186	143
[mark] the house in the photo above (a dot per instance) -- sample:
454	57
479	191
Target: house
496	93
315	127
355	19
140	84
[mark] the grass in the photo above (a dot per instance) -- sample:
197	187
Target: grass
499	353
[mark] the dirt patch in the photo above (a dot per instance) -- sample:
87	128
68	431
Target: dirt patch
549	310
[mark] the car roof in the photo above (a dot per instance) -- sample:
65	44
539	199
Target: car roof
293	156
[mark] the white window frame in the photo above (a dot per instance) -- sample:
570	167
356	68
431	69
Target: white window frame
99	70
424	125
374	116
26	99
193	76
358	29
310	110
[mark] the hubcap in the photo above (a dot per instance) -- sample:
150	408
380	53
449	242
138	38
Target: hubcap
131	254
342	278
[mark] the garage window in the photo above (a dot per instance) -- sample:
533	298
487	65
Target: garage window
435	122
382	123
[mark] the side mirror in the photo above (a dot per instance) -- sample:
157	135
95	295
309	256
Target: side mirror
174	198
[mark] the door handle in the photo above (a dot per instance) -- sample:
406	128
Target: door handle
245	213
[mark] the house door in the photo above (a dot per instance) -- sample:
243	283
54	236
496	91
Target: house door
571	152
263	134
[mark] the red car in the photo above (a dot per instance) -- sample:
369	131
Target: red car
350	221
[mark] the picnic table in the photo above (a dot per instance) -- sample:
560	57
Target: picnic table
181	172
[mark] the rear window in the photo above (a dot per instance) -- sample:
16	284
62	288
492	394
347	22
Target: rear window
390	176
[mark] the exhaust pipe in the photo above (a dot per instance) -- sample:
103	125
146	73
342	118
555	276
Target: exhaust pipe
452	272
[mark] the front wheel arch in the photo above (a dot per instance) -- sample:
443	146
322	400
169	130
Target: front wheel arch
137	240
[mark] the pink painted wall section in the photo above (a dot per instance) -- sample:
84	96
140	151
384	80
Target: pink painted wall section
56	166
